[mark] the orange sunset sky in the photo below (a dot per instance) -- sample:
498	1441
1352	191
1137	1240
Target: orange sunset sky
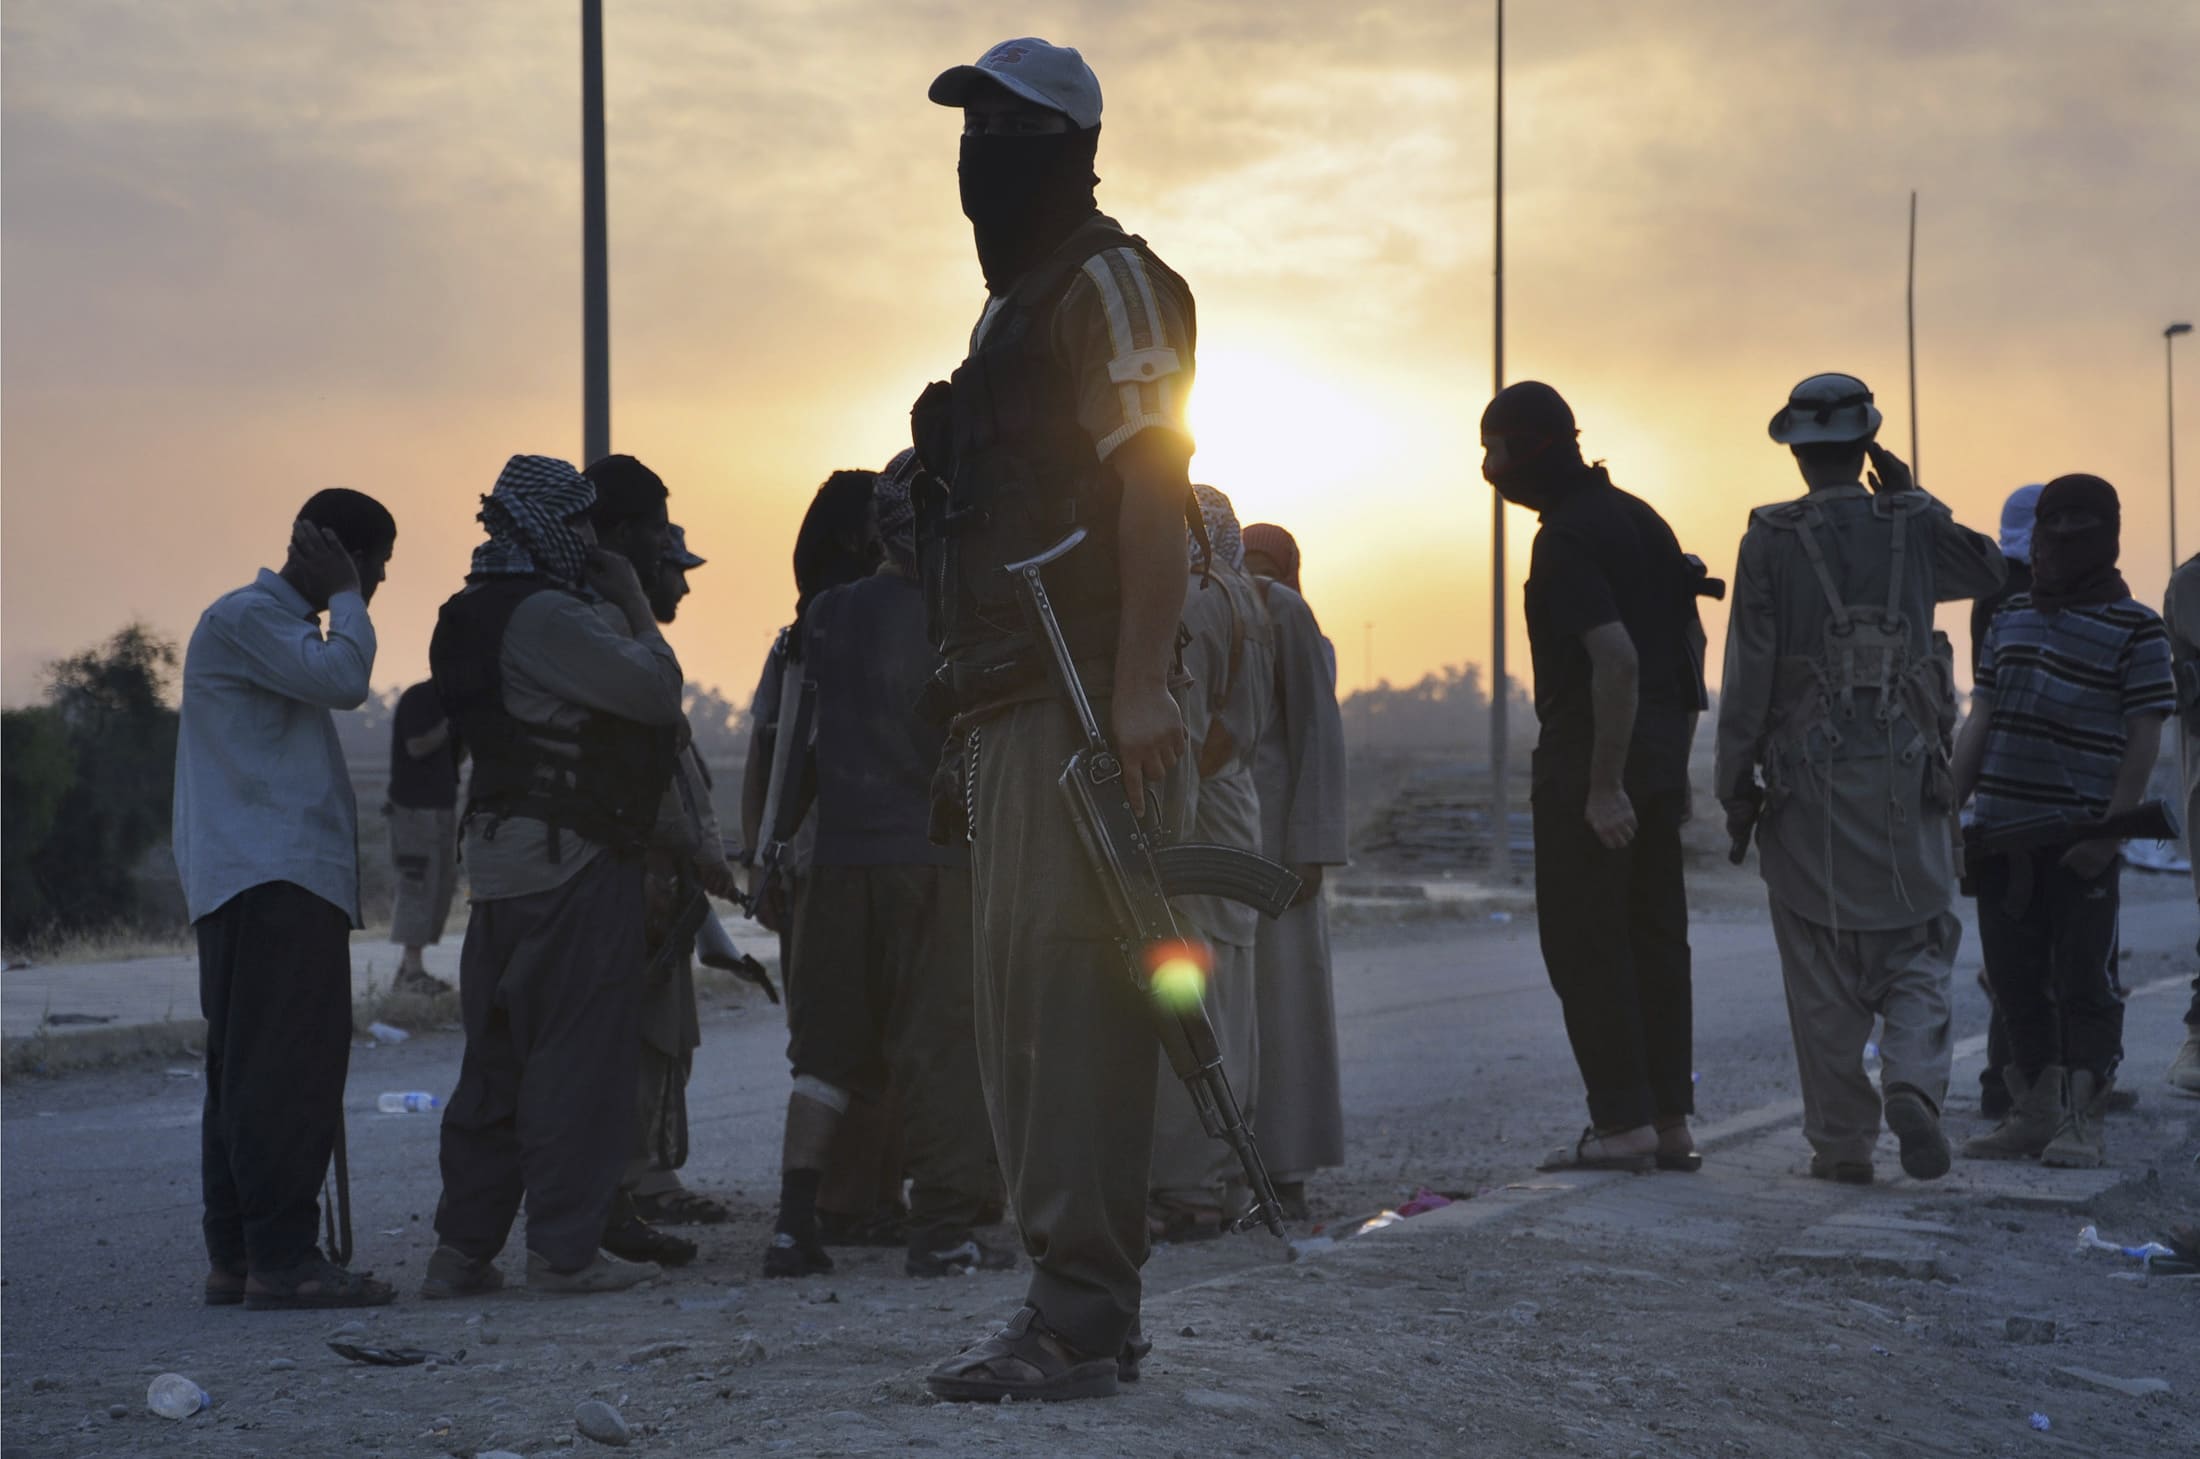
251	249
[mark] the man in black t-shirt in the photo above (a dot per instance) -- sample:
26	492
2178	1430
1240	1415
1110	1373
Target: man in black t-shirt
424	758
1613	632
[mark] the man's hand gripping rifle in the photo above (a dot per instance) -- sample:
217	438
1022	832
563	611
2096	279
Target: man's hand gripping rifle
2148	821
1138	876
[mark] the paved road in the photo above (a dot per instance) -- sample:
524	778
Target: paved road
1457	1075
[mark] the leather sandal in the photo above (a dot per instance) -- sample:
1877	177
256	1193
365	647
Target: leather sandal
1024	1360
1591	1152
1180	1221
1677	1147
225	1285
315	1282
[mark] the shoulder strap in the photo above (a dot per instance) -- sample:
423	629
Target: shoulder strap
1817	556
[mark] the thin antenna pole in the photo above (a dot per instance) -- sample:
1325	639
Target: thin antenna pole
1917	472
1500	737
595	265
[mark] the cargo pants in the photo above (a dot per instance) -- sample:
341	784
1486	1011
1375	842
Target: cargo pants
1066	1047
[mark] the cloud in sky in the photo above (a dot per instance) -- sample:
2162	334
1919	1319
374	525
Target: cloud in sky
256	249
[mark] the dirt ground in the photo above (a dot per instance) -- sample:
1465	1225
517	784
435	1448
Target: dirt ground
1743	1311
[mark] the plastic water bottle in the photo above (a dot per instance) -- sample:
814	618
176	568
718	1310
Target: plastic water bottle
414	1102
174	1396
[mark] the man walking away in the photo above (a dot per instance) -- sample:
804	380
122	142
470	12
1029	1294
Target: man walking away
569	700
1841	696
267	847
1612	628
2181	615
884	927
423	815
2066	721
1299	771
1069	409
2017	514
1198	1185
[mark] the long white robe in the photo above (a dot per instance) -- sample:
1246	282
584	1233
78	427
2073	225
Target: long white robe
1299	769
1231	661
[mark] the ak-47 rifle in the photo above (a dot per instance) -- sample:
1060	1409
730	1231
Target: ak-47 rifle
2149	821
336	1191
698	927
1138	874
784	802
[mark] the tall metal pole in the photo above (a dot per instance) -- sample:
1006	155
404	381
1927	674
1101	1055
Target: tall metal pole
2169	386
1910	299
1500	737
595	265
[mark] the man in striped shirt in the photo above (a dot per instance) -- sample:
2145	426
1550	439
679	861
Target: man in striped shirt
2072	687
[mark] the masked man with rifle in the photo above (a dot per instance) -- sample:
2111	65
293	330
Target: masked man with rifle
1841	697
1068	414
2073	685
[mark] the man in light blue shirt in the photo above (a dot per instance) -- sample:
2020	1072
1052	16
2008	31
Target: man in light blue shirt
266	841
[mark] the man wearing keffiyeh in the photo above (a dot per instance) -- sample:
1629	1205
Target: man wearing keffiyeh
551	666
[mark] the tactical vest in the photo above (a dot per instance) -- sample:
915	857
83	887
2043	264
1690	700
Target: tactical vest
1023	475
1880	687
604	781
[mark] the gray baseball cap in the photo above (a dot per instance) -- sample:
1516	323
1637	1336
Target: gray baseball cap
1047	75
681	556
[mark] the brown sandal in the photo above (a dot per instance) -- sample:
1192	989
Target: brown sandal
1178	1221
225	1285
1589	1153
1024	1360
313	1283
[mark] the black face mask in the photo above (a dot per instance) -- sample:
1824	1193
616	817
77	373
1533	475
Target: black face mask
1545	474
1023	195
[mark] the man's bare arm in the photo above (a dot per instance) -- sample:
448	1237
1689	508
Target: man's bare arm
1151	572
2142	746
1615	676
424	745
1970	752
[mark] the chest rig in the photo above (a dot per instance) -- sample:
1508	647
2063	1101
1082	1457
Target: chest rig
1880	688
1023	474
603	781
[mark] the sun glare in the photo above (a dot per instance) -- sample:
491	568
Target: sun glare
1287	436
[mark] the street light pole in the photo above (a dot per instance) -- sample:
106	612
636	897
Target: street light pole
1500	737
595	265
2169	383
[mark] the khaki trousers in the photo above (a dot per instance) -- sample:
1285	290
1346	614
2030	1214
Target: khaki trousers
1066	1044
1837	984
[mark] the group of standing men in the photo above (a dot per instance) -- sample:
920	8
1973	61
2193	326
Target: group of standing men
1217	694
1024	1061
1838	752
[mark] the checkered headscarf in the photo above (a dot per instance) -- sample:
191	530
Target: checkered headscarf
527	516
1222	529
897	513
